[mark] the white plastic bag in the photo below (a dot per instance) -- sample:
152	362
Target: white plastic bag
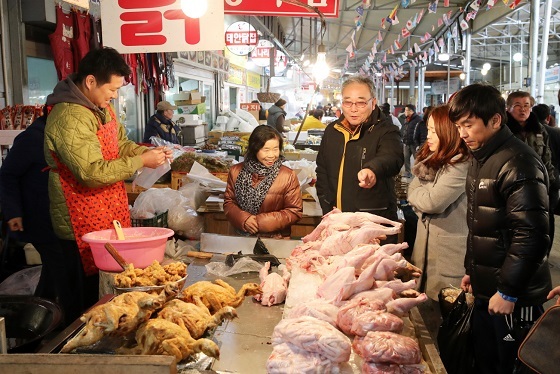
148	176
243	265
24	282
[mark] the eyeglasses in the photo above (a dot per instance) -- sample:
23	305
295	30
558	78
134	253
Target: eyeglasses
359	104
519	106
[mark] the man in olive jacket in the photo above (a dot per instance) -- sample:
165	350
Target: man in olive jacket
360	155
507	216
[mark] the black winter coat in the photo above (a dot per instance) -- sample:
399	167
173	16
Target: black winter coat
408	129
508	221
378	147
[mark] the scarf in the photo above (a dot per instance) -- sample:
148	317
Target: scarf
424	172
249	197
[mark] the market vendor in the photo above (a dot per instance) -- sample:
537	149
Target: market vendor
313	120
263	196
89	157
161	126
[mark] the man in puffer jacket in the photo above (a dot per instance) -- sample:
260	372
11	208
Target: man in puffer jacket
507	216
408	131
89	157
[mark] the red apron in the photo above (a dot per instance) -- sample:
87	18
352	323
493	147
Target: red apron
93	209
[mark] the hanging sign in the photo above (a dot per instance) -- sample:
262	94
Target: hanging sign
329	8
241	38
139	26
261	54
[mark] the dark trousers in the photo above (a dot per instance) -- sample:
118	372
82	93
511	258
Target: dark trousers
84	289
496	339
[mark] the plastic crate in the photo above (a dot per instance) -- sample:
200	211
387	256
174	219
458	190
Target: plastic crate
158	221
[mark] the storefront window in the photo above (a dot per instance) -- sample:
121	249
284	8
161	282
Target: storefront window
41	79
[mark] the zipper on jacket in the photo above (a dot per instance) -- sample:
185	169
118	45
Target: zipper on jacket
364	150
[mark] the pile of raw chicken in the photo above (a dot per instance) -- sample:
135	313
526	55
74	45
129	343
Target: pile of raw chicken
345	284
170	323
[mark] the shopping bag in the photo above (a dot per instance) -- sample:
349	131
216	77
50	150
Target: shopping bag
455	340
538	350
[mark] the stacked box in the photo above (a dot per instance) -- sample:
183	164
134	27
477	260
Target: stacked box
193	109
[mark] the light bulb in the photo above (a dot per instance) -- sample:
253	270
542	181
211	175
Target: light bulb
517	57
321	69
443	57
486	66
462	76
484	72
194	8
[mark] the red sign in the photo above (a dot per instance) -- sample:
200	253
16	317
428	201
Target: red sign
241	38
329	8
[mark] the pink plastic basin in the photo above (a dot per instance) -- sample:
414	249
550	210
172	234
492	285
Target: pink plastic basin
141	246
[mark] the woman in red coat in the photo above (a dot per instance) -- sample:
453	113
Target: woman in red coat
263	196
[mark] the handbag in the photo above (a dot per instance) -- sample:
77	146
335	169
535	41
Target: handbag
455	338
538	350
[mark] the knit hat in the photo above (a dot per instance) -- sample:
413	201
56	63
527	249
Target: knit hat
165	105
280	102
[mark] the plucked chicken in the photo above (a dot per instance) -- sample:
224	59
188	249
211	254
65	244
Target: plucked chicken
387	348
289	359
195	317
219	294
119	316
274	286
162	337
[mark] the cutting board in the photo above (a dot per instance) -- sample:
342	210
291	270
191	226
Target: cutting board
216	243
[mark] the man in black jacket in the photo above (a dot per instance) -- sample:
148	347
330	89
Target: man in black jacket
506	261
409	132
360	155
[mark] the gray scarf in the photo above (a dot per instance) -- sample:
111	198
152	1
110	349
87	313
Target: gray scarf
249	197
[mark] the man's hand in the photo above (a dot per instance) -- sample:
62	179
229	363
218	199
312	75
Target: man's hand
251	225
156	157
555	292
367	178
466	284
499	306
15	224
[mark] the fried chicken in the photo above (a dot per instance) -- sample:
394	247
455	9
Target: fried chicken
153	275
218	294
194	317
159	336
119	316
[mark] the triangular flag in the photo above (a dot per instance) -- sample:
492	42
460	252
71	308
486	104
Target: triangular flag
360	10
431	52
374	49
383	23
432	7
379	37
475	5
405	33
441	42
446	3
410	53
405	3
384	57
393	13
464	25
417	48
392	50
439	22
445	19
350	48
436	48
396	20
400	61
454	30
514	4
409	24
433	28
367	3
491	3
420	15
397	45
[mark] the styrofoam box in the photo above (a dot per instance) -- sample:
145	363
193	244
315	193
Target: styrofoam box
302	136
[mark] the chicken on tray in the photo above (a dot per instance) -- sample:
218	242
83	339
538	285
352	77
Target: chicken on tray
119	317
194	317
162	337
219	294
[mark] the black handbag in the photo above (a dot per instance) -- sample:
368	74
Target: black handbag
455	338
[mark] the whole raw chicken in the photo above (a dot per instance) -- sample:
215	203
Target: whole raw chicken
218	294
194	317
159	336
274	286
119	316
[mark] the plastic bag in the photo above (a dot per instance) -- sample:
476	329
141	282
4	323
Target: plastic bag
24	282
455	340
244	265
148	176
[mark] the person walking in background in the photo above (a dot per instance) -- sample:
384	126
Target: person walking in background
525	125
313	120
262	111
360	155
161	125
408	131
25	206
507	216
262	196
277	116
542	111
437	194
89	157
386	109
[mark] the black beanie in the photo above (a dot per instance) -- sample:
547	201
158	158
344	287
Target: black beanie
280	102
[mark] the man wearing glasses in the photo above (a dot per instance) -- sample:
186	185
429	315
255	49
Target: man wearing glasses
161	126
360	155
525	125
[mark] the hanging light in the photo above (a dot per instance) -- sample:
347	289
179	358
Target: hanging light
486	66
250	63
321	69
443	57
484	72
462	76
194	8
517	57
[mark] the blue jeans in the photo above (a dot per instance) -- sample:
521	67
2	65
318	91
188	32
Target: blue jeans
409	150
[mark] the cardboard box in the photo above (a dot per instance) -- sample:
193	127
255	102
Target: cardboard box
193	109
177	179
193	134
188	98
252	108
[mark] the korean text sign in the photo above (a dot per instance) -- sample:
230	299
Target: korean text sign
329	8
138	26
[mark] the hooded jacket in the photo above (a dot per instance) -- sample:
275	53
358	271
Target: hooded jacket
276	117
409	129
162	127
508	221
70	134
376	146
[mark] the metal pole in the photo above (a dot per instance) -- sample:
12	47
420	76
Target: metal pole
510	62
468	35
544	50
447	98
535	46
